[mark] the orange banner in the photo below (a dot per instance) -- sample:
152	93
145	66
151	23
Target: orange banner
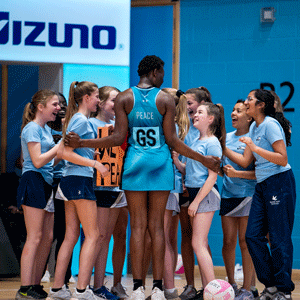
112	158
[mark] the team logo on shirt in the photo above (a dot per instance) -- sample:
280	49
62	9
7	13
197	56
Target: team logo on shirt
241	147
274	200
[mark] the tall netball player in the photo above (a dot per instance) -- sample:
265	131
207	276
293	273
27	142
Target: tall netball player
148	115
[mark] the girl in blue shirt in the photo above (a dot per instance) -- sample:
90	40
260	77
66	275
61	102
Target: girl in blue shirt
34	191
237	191
110	200
273	205
195	97
76	188
201	183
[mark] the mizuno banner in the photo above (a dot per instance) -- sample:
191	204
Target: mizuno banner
62	31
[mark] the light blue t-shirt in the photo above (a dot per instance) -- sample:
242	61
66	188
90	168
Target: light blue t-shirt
236	187
58	169
95	123
192	135
267	133
33	132
80	125
196	173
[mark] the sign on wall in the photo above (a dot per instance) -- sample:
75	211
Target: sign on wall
61	31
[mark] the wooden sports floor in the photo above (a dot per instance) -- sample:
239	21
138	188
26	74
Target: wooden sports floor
9	286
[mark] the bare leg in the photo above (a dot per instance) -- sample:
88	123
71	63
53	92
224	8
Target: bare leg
187	251
119	249
87	214
157	207
147	256
34	220
70	240
230	230
137	205
107	218
248	268
44	246
201	225
171	253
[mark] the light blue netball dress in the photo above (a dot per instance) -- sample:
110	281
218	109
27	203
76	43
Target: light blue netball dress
148	163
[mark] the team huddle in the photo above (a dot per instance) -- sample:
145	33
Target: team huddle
177	146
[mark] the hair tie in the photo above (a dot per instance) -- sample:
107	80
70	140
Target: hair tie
179	93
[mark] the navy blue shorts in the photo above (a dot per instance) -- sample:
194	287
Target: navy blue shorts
76	188
184	200
107	198
33	190
235	207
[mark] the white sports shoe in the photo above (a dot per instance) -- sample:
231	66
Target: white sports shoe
88	294
46	277
138	294
157	294
62	294
72	279
119	291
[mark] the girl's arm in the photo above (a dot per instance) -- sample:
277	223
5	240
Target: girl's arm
230	171
68	154
203	192
242	160
38	159
278	157
179	165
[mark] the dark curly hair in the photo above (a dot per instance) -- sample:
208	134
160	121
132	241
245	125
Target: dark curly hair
148	64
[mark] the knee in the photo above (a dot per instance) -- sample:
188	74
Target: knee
229	243
242	241
71	238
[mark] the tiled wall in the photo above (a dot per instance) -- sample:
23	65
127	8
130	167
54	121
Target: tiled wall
224	47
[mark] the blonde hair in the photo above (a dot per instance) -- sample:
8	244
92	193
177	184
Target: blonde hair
181	116
76	93
104	93
40	97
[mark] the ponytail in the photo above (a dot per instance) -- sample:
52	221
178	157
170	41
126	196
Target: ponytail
28	115
181	115
76	93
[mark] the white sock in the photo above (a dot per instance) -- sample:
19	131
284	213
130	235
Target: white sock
170	290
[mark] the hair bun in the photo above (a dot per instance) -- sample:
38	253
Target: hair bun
179	93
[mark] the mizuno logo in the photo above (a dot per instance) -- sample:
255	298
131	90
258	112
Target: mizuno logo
29	32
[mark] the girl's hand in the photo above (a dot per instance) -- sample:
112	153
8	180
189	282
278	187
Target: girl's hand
175	155
102	169
96	153
110	128
229	171
248	141
192	210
